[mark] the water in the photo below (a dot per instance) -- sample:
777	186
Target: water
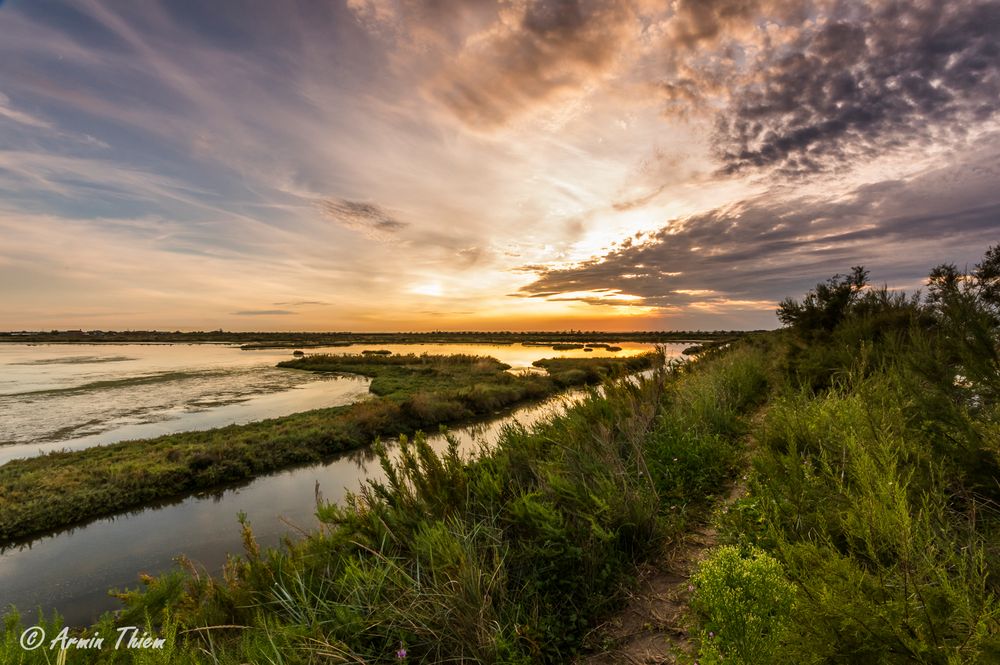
57	397
74	396
71	571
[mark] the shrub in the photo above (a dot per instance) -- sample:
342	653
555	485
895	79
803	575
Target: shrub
744	600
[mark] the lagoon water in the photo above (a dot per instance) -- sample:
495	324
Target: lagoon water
100	394
72	396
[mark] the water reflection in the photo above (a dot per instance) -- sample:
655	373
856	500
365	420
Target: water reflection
74	396
71	571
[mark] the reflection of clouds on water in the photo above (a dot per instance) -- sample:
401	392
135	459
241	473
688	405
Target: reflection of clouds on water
76	396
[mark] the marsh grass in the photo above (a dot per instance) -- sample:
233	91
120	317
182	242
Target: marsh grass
875	478
508	557
412	393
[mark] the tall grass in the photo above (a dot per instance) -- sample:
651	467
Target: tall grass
508	557
413	393
875	484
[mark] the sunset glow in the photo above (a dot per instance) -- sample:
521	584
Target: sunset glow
524	164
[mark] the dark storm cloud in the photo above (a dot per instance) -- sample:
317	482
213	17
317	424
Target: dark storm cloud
765	248
868	78
368	218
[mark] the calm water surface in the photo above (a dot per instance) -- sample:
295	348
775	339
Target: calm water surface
72	570
73	396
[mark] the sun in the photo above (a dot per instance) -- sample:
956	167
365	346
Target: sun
433	289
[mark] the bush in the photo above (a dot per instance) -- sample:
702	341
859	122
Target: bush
744	601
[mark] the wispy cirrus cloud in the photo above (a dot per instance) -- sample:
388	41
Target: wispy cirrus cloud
8	112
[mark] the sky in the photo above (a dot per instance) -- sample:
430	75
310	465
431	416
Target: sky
398	165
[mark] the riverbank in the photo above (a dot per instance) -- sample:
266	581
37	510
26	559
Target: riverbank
869	532
552	517
112	552
412	393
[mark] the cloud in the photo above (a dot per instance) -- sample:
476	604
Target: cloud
697	21
764	248
264	312
863	79
797	86
538	52
367	218
639	201
8	112
489	63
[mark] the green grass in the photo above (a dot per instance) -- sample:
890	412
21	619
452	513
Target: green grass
509	557
870	532
412	393
875	484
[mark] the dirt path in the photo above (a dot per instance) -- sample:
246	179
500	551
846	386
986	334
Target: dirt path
652	626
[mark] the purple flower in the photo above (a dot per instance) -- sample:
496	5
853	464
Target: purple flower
401	654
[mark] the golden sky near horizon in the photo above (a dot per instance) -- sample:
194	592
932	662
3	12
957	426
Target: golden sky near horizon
523	164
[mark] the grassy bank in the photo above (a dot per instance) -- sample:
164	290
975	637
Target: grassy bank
412	393
509	557
871	531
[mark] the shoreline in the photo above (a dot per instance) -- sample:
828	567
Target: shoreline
63	489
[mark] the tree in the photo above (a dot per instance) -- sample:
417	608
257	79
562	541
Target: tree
826	305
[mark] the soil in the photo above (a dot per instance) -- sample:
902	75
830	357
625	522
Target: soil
653	626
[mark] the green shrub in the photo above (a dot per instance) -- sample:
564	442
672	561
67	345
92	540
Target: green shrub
744	601
863	505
